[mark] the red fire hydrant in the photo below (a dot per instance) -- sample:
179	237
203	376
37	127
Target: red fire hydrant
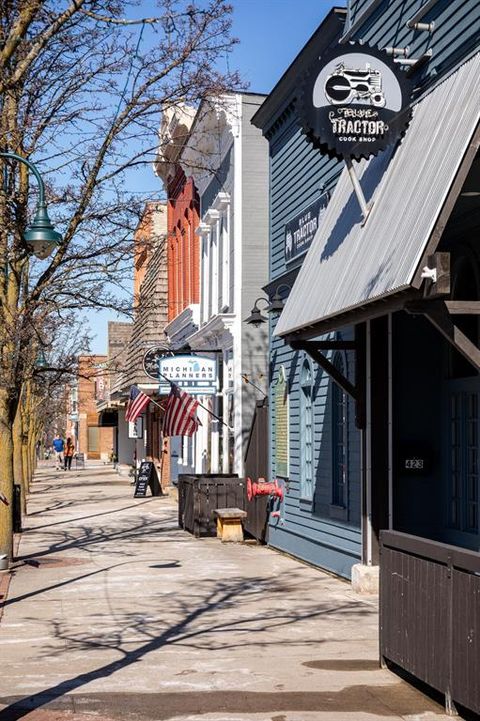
264	488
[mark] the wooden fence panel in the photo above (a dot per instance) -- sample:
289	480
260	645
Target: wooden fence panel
430	614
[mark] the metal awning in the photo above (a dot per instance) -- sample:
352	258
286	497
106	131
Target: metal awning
350	265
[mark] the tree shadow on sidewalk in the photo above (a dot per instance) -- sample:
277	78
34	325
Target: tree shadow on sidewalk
207	616
89	538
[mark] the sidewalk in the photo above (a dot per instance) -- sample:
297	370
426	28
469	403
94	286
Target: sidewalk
114	612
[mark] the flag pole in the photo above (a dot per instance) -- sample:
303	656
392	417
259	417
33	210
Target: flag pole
200	404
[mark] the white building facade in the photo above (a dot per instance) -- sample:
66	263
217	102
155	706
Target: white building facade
228	160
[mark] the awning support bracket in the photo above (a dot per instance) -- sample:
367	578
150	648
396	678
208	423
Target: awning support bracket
439	313
311	347
364	206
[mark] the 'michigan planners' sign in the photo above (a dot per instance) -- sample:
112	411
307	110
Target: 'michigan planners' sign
300	231
195	374
354	102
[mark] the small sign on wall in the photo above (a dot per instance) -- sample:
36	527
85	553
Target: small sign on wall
281	410
135	430
300	230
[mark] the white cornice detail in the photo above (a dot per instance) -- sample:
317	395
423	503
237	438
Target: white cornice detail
172	136
222	201
217	120
211	215
203	228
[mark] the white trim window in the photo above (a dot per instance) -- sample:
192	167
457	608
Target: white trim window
306	431
216	269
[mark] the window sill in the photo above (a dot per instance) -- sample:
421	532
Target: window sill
338	512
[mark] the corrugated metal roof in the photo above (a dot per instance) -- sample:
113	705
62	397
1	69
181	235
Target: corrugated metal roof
348	264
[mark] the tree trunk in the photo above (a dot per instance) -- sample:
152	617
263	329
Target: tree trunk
18	455
6	477
26	474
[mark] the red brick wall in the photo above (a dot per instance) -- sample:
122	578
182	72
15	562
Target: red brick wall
183	255
87	408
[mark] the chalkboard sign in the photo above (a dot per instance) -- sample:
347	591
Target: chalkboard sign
147	477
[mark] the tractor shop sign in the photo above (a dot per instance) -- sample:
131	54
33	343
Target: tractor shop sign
354	102
193	373
300	231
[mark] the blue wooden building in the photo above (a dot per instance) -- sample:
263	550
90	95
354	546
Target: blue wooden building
387	303
314	439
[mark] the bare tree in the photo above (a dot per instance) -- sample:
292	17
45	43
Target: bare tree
82	86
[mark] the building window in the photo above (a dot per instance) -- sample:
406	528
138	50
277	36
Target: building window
93	439
339	438
306	431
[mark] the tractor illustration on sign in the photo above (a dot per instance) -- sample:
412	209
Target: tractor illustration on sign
344	85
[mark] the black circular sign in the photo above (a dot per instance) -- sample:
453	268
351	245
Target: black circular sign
151	359
354	102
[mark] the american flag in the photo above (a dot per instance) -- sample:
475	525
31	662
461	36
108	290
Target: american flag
137	403
180	417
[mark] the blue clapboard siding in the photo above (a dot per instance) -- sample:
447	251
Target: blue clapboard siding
297	173
456	33
307	529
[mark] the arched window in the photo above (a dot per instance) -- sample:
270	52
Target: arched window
339	438
306	431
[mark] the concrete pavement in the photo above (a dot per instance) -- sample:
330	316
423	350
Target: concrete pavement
114	613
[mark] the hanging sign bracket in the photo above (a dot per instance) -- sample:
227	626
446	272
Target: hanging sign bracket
364	206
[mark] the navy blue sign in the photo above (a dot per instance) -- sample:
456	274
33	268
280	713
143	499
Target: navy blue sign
300	231
354	101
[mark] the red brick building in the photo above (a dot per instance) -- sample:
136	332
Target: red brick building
183	258
150	317
94	440
183	252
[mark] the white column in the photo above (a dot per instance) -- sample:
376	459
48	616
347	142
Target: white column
203	233
201	439
226	257
213	216
215	430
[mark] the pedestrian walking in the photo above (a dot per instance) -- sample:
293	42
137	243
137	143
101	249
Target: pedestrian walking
58	448
68	454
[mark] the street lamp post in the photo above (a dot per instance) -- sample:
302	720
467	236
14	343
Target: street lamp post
40	236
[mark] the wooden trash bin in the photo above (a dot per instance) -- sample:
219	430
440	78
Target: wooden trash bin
201	494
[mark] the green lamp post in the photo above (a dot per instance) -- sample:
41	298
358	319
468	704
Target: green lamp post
40	236
41	360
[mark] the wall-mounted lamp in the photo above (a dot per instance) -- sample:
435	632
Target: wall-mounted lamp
277	303
256	318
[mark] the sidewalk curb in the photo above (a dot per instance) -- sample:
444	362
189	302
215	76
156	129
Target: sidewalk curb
6	576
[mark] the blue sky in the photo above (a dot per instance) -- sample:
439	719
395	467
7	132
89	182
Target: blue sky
271	34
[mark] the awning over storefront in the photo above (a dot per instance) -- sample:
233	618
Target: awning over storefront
108	418
351	265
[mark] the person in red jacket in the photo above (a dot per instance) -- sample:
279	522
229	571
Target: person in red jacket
68	454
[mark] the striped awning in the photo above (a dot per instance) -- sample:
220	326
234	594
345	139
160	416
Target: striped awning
350	265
